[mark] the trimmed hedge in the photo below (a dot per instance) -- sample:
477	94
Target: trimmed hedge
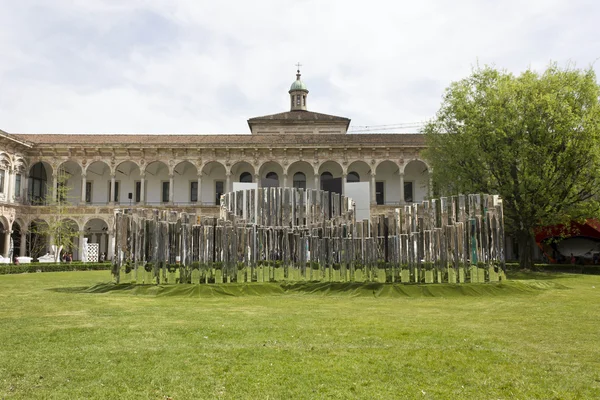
569	268
52	267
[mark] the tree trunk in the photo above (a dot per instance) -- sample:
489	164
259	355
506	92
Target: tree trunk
526	240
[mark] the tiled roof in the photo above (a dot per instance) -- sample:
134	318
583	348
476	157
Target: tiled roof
141	140
299	115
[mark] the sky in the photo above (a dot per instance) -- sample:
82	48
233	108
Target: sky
206	66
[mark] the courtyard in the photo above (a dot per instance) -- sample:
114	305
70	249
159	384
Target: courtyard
535	336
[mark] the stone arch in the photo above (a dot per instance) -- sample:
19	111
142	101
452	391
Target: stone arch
362	168
269	167
334	167
98	166
240	168
387	181
157	174
185	182
416	180
69	179
214	179
304	167
95	230
415	159
40	179
98	177
128	174
37	240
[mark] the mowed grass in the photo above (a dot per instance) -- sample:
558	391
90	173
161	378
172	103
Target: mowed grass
59	343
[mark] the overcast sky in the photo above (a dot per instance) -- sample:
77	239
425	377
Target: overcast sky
206	66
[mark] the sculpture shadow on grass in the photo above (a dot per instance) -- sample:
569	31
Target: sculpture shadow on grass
344	289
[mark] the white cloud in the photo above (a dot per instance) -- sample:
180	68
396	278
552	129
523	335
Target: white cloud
207	66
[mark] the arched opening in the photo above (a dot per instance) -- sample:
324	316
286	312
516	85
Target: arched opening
353	177
270	173
96	233
416	181
66	235
213	183
129	190
98	183
246	177
387	183
271	180
69	182
306	170
299	180
39	176
185	181
37	239
331	177
16	240
157	182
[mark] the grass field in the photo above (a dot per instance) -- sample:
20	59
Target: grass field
58	342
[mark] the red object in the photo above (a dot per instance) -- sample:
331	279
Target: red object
590	229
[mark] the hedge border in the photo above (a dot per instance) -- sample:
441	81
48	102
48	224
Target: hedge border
6	269
568	268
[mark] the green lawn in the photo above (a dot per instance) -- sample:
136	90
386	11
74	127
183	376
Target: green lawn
56	342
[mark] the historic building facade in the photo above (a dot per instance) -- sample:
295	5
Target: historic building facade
84	178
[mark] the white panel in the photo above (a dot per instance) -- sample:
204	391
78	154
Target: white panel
359	192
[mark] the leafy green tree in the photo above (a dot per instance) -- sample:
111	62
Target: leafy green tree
534	139
59	228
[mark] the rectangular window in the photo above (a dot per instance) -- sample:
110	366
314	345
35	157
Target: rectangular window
165	192
116	196
88	191
2	174
138	191
194	192
18	185
219	186
379	192
408	192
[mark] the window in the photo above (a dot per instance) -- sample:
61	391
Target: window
246	177
37	184
219	186
88	191
297	99
408	192
2	172
114	198
18	185
165	192
272	180
299	180
194	192
138	191
379	192
325	176
304	100
353	177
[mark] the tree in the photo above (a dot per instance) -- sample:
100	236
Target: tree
534	139
58	228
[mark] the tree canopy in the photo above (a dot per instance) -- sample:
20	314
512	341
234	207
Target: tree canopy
534	139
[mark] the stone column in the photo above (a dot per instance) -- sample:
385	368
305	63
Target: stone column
401	187
257	180
7	234
23	244
344	179
9	175
227	183
112	190
142	189
317	186
285	180
111	247
373	196
50	243
171	188
83	185
80	247
200	188
53	192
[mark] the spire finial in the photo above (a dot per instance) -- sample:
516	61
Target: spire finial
298	65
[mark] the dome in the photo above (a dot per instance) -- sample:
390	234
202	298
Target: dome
298	85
